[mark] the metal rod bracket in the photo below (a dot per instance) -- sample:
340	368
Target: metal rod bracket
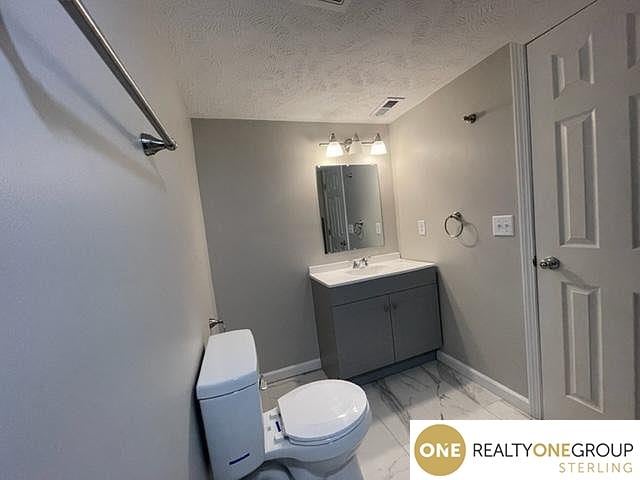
152	145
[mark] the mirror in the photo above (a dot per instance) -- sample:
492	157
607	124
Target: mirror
350	207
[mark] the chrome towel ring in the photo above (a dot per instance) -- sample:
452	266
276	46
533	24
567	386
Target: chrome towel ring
457	216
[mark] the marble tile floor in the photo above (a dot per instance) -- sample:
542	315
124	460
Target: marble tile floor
429	391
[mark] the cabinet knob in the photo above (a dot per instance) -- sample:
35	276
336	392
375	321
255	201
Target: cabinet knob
386	308
394	306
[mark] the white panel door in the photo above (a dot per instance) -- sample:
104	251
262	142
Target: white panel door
584	80
335	210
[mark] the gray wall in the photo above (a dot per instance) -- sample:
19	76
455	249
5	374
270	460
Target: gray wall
258	188
104	277
442	164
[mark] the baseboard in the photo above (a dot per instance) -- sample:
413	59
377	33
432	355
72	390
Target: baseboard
292	370
495	387
508	395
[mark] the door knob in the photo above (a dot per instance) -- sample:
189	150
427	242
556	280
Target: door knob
550	263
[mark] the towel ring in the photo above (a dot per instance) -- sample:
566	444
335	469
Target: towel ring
457	216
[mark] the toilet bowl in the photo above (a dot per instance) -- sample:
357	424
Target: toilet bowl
312	434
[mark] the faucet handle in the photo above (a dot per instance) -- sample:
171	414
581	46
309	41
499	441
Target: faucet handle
361	262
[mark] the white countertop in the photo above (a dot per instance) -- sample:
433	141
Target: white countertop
342	273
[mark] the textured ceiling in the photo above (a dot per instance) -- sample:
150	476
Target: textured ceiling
290	60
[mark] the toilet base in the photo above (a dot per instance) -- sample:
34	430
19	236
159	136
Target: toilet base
270	471
274	471
349	471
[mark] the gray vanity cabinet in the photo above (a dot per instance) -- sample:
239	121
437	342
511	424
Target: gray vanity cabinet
364	329
415	320
375	323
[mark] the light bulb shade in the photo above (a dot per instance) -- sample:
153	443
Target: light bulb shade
355	147
334	149
378	147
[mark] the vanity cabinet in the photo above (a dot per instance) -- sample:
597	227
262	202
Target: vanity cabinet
375	323
415	320
351	321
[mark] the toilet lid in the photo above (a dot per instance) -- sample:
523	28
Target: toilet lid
322	410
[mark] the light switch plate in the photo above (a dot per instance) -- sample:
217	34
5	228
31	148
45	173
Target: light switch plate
502	225
378	228
422	228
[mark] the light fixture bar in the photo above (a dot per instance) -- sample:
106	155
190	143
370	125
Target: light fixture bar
337	149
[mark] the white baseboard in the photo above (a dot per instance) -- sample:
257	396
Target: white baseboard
495	387
292	370
508	395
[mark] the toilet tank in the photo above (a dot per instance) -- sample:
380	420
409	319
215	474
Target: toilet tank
229	397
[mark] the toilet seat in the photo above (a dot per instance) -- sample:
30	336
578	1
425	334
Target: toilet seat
322	412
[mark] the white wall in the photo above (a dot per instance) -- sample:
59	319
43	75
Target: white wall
441	164
104	277
259	196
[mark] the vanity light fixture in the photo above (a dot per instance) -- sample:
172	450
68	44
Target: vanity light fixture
353	146
378	147
334	148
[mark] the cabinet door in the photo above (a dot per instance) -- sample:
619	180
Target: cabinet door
416	321
363	336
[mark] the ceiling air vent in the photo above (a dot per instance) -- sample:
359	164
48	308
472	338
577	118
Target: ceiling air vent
385	106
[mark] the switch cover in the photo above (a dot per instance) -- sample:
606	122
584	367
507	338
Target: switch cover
502	225
422	228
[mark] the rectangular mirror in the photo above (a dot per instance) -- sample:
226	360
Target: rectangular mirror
350	207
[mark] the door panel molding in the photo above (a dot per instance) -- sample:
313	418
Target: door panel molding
634	126
526	225
633	39
636	319
572	69
582	331
577	180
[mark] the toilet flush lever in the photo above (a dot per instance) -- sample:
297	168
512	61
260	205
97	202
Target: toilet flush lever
263	383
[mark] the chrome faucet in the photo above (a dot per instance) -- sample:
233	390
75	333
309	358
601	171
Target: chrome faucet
361	262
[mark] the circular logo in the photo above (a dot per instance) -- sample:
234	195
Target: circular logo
439	450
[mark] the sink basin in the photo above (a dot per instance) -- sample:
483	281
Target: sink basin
384	265
366	271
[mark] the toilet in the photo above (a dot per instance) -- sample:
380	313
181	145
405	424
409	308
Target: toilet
312	434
